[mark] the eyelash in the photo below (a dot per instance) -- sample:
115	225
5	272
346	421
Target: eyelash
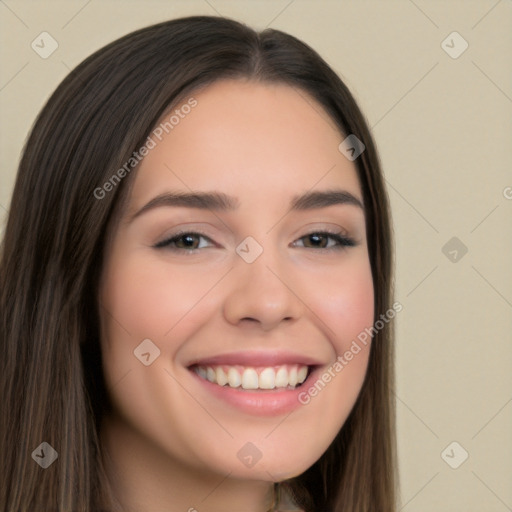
342	241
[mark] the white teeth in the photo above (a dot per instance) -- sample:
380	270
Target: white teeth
250	379
292	376
221	376
284	376
281	378
234	379
302	373
210	374
267	379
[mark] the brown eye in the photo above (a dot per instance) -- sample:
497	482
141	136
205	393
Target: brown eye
321	240
317	240
185	241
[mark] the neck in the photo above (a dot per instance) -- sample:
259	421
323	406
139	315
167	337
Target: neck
144	478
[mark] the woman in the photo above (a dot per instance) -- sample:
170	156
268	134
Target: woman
145	371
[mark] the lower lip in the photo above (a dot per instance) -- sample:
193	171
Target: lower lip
258	402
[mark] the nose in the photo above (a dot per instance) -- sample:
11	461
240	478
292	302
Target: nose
261	293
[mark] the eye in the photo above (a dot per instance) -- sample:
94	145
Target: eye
322	239
189	241
183	241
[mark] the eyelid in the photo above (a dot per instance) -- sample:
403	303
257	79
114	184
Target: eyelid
165	241
197	228
343	239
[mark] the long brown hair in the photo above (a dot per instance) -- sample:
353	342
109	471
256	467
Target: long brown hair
52	387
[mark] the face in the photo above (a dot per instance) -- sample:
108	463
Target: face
215	311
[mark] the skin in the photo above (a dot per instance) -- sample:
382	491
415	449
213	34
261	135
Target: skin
171	444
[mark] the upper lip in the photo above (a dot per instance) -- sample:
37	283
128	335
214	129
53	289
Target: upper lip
257	358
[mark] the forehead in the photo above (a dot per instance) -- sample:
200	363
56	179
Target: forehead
258	141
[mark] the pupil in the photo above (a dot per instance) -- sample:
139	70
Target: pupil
317	238
189	240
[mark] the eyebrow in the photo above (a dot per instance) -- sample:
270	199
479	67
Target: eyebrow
218	201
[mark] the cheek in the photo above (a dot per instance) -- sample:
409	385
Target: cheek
146	298
345	307
345	303
149	298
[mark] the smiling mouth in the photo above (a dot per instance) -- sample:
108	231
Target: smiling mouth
250	378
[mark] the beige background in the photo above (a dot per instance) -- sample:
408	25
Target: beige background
443	127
